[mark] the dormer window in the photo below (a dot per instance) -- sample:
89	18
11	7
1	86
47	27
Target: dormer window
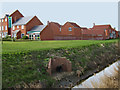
70	29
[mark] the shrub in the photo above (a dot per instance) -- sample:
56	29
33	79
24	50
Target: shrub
8	37
25	37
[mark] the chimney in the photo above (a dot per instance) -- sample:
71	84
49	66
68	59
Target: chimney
93	24
48	22
114	28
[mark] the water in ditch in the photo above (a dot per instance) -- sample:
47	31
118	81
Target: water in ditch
98	80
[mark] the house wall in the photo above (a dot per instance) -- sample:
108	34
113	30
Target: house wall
50	32
16	15
65	29
75	34
33	22
23	31
4	23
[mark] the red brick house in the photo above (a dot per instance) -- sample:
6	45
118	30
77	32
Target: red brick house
45	32
70	31
4	22
24	24
99	32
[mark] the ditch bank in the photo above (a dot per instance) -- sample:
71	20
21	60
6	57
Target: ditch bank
28	70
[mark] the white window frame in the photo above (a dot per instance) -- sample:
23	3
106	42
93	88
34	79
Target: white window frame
5	19
69	29
22	26
2	28
22	35
60	29
2	20
17	26
13	27
6	27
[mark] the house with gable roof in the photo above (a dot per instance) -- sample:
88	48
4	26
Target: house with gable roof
4	23
45	32
23	25
70	31
99	32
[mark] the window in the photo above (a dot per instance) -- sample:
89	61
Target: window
5	34
22	35
31	36
5	27
60	29
100	35
5	19
2	28
37	36
13	27
70	29
14	35
2	20
17	26
22	26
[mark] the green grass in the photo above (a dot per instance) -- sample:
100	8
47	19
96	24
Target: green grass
12	47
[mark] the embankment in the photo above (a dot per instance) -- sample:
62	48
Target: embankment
27	69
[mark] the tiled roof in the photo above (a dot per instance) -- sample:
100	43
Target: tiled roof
74	24
56	24
38	28
23	20
99	27
7	13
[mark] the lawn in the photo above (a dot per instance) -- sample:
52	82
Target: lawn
12	47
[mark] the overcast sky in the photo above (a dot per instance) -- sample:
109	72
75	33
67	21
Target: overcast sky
82	13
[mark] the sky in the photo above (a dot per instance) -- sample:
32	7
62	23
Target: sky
82	13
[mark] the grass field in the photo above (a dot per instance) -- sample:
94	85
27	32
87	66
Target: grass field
12	47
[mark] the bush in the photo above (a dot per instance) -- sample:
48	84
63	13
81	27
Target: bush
25	37
8	37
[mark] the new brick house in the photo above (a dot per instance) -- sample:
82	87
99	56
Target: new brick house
99	32
45	32
4	23
70	31
24	24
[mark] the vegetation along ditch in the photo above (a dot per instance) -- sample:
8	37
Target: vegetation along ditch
28	69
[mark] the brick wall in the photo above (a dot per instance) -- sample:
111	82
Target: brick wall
53	63
33	22
16	15
50	32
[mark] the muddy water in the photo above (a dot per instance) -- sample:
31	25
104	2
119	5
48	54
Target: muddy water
96	80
